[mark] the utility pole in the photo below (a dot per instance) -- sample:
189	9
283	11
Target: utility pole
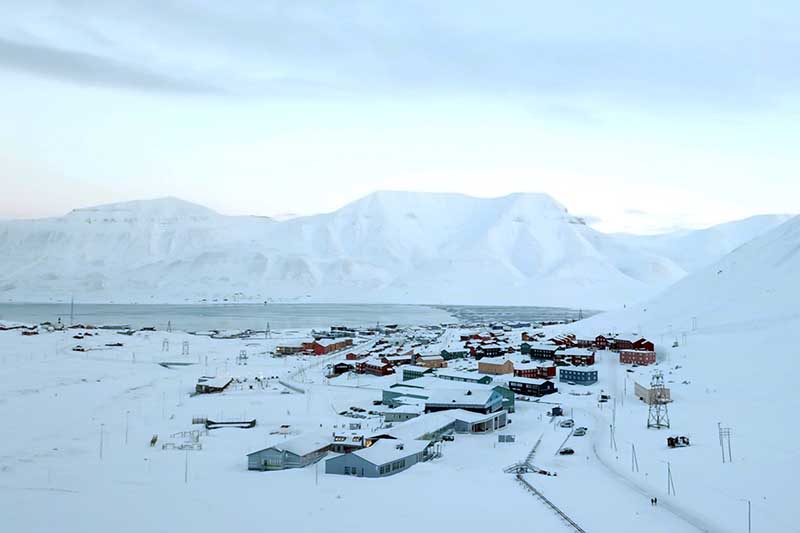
186	468
749	523
126	426
670	482
724	434
101	441
634	460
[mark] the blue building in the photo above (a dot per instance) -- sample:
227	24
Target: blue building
578	375
385	457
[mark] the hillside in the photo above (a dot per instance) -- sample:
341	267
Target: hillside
391	247
734	323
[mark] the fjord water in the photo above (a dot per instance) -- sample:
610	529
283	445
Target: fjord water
199	317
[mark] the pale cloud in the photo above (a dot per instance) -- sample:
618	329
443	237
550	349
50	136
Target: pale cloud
638	116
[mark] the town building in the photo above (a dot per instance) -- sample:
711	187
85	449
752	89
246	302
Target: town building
414	371
467	377
342	368
648	395
374	366
476	423
326	346
296	452
289	349
346	442
478	401
496	366
577	374
384	458
431	361
489	350
578	356
539	370
539	350
210	385
531	387
637	357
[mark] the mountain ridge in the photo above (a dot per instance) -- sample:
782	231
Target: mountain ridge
387	247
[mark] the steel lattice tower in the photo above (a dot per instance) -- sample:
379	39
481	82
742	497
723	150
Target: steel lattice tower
658	414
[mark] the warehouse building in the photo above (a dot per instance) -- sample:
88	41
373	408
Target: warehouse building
297	452
385	457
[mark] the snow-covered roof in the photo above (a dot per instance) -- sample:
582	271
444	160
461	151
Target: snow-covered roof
430	383
459	374
460	397
580	352
301	445
420	426
543	346
216	382
388	450
529	381
469	416
494	360
582	369
326	342
407	408
416	368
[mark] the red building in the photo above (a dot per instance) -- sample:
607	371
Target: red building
533	371
326	346
637	357
638	343
579	356
563	340
375	366
601	342
644	344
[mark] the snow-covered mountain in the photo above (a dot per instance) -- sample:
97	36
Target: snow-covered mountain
386	247
725	337
758	282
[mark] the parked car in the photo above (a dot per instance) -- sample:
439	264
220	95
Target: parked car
448	438
579	432
566	451
568	423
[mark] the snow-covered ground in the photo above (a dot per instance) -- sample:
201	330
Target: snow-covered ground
735	323
734	366
54	402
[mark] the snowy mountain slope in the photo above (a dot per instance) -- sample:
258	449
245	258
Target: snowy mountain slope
735	324
692	250
386	247
757	282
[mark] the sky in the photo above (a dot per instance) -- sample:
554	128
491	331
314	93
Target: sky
641	116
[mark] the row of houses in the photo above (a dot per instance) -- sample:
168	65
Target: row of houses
616	343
